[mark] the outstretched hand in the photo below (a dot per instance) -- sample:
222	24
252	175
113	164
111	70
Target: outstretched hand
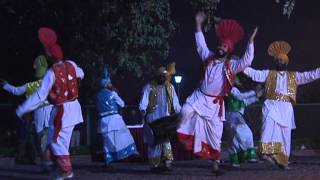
2	82
200	18
253	35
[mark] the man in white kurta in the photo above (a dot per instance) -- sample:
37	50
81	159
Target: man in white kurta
60	85
203	113
158	100
42	113
72	115
277	110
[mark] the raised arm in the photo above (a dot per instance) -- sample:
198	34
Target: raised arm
176	103
256	75
202	47
201	44
15	90
308	76
37	98
246	59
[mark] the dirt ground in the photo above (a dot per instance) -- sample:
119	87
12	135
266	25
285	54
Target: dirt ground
305	165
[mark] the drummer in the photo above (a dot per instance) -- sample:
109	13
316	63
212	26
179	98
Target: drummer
159	99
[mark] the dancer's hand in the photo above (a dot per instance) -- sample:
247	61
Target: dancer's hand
200	18
143	113
259	91
253	35
2	82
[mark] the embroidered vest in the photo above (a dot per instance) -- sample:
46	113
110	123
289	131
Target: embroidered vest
153	98
270	87
65	87
32	87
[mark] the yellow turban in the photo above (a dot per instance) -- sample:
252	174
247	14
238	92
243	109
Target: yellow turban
171	68
279	50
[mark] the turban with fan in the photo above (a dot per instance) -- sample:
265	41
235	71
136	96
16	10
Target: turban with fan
229	32
279	50
48	38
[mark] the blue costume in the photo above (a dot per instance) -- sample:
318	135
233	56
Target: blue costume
117	140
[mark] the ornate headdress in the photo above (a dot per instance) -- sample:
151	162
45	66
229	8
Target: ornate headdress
279	50
48	38
105	80
229	32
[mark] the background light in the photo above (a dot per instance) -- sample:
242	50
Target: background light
178	79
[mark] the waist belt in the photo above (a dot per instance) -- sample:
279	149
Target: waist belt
218	99
108	113
279	97
69	100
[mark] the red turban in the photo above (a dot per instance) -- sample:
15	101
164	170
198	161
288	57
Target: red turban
56	52
48	38
229	32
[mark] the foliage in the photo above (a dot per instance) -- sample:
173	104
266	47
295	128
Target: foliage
288	6
208	7
132	37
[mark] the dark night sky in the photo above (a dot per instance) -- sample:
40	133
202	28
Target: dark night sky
301	31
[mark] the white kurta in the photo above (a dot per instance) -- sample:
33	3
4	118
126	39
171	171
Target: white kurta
200	116
41	114
278	116
72	111
72	114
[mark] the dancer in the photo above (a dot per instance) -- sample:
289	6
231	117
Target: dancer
241	141
280	93
117	141
159	100
203	113
42	113
60	85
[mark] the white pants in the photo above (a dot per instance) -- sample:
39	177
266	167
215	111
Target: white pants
273	132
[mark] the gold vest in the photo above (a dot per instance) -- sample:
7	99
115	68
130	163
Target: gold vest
153	99
270	87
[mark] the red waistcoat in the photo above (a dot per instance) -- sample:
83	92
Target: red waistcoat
65	87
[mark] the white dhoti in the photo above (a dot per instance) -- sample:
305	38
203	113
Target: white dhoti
278	121
201	126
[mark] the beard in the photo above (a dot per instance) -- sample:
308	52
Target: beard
281	67
220	53
160	80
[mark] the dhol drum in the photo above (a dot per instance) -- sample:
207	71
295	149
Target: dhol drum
164	128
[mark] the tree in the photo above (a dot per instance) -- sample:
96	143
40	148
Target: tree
209	7
132	37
